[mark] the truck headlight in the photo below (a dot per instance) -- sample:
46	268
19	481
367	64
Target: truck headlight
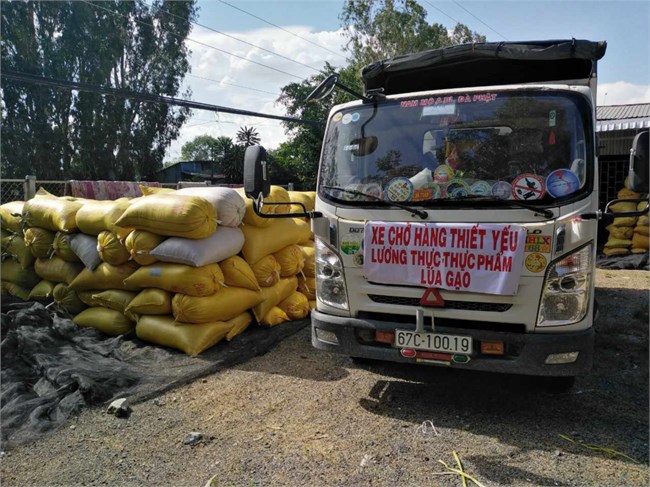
565	298
330	282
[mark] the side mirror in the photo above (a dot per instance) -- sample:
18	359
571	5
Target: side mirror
639	163
323	89
256	175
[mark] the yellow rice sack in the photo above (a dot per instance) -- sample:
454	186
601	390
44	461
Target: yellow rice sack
641	205
139	243
86	297
625	221
171	215
11	216
67	299
279	194
272	296
640	241
307	198
312	304
178	278
4	233
291	260
623	207
643	221
237	273
307	286
274	317
641	230
239	324
222	306
617	242
61	247
105	320
16	291
90	218
42	290
627	194
15	247
296	306
616	251
106	276
114	213
149	190
266	271
251	218
309	253
11	271
116	299
260	242
52	213
39	241
111	250
189	338
620	232
57	270
151	302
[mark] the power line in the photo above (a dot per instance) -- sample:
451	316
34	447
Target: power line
442	12
146	97
233	84
480	20
247	43
195	41
281	28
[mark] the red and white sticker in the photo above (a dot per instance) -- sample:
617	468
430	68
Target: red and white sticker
528	187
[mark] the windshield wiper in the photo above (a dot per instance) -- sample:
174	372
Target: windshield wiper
414	211
477	197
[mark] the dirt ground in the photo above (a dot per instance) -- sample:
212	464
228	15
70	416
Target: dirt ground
298	416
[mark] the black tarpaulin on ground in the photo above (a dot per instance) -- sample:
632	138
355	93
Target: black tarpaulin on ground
51	368
620	262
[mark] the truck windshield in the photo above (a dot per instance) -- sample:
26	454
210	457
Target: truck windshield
528	146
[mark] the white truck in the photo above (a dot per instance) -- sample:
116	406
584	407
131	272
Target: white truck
457	208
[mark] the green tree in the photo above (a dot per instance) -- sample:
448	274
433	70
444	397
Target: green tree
248	136
205	148
57	133
375	29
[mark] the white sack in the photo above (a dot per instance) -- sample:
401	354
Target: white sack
85	247
224	243
230	206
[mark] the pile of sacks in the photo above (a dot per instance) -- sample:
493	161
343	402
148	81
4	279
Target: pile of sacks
627	234
183	268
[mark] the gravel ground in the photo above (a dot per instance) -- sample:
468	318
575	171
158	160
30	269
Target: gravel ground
298	416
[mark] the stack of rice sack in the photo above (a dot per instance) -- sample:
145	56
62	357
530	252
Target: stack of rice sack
18	275
623	235
183	239
276	249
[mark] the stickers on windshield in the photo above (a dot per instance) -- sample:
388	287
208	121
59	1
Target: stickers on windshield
528	187
372	189
349	196
337	117
422	195
502	190
443	173
562	182
347	118
457	188
399	190
355	117
481	188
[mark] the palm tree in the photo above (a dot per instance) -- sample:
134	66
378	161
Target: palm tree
248	136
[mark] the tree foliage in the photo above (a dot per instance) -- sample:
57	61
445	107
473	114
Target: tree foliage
375	29
56	133
248	136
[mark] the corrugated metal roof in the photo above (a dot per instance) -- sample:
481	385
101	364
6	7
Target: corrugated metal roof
621	112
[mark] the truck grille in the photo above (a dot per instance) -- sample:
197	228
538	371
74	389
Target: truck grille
464	305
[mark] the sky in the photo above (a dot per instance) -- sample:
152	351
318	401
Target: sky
315	36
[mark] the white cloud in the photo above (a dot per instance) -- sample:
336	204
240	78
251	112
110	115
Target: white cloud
210	63
622	93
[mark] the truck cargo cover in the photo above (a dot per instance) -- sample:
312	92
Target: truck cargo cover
485	64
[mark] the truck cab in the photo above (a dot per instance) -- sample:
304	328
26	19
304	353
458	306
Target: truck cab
457	207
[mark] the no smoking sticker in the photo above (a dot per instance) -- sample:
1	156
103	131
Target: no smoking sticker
528	187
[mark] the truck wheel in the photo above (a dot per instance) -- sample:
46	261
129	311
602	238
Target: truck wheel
558	385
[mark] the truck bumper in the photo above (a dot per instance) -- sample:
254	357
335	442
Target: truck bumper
526	353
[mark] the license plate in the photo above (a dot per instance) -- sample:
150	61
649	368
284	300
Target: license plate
434	342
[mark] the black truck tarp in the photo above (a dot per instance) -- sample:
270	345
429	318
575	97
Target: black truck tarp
485	64
51	368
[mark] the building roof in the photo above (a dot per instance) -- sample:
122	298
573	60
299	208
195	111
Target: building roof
623	117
